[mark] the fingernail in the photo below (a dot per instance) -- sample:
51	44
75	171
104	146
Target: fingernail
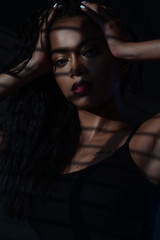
82	6
55	5
83	2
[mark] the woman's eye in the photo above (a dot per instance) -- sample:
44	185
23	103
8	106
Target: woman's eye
60	63
90	52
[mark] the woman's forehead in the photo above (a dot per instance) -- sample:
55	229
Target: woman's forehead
74	30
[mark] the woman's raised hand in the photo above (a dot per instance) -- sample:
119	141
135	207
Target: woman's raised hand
41	57
117	41
109	24
38	65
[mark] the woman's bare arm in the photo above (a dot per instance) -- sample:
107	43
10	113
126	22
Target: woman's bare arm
136	51
38	65
10	83
117	42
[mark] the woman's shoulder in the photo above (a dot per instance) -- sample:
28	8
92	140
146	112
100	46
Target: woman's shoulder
145	148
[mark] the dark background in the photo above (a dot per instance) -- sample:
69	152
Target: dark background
142	18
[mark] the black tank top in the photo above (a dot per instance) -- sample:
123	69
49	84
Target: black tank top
109	200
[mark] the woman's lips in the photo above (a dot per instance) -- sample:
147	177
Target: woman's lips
81	88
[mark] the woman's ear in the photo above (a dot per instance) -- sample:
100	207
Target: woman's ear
124	66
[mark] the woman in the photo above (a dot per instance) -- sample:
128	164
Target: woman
71	162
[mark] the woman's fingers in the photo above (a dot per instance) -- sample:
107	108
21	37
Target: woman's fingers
46	20
109	23
41	55
104	12
92	10
49	17
104	17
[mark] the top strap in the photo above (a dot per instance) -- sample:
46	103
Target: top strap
131	135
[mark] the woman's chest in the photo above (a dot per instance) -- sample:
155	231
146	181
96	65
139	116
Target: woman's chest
102	199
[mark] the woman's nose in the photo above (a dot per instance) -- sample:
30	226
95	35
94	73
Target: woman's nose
78	68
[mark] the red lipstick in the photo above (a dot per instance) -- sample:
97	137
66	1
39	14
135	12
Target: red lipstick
81	88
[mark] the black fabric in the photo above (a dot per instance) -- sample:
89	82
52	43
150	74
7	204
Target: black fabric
14	229
109	200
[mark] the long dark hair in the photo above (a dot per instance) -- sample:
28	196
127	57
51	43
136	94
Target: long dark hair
42	130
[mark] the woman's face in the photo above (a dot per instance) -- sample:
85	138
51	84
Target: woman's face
83	66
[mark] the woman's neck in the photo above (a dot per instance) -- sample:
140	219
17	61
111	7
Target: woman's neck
106	118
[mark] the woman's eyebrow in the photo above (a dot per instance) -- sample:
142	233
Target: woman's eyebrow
81	44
